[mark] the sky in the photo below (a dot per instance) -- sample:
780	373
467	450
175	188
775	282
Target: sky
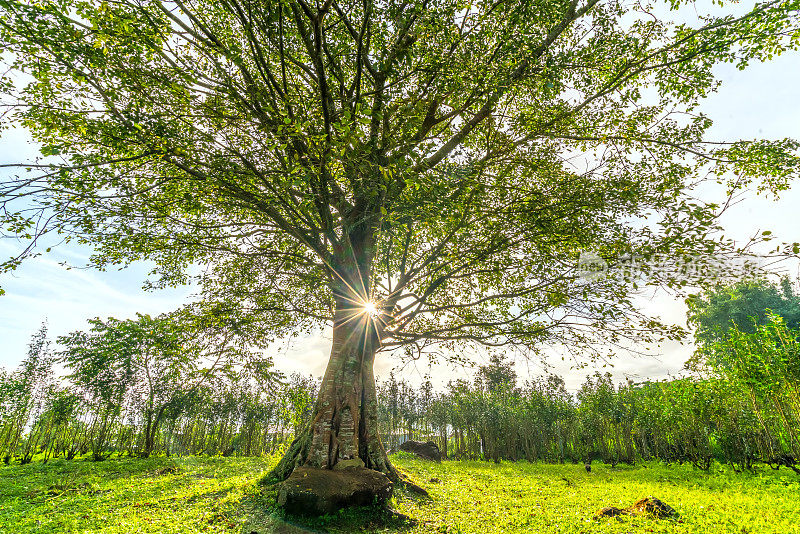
762	101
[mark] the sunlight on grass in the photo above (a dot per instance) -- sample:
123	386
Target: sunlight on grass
127	495
485	498
222	495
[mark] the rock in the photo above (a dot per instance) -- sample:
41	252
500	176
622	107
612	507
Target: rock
434	480
427	451
652	507
312	491
649	506
610	511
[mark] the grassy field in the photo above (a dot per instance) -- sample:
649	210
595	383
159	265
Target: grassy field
222	495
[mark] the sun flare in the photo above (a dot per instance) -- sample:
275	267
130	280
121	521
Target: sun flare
370	308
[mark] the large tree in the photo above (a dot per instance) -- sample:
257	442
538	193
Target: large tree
415	173
743	307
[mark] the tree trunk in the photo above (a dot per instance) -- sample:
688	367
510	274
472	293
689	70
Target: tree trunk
148	443
344	424
151	431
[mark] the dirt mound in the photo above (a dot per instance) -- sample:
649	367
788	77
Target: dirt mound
311	491
610	511
649	506
652	507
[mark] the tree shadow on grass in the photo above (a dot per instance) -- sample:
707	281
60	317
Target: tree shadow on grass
262	516
79	475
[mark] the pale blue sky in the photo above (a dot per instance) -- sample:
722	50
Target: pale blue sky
759	102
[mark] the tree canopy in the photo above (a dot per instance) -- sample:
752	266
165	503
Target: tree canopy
740	309
446	160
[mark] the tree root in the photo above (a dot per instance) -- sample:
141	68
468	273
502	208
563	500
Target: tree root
398	516
401	479
294	457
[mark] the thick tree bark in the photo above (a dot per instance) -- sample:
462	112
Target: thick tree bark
344	424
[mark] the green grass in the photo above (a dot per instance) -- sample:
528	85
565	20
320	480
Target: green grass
222	495
128	495
476	497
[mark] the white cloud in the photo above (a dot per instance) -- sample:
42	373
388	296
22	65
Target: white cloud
42	289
